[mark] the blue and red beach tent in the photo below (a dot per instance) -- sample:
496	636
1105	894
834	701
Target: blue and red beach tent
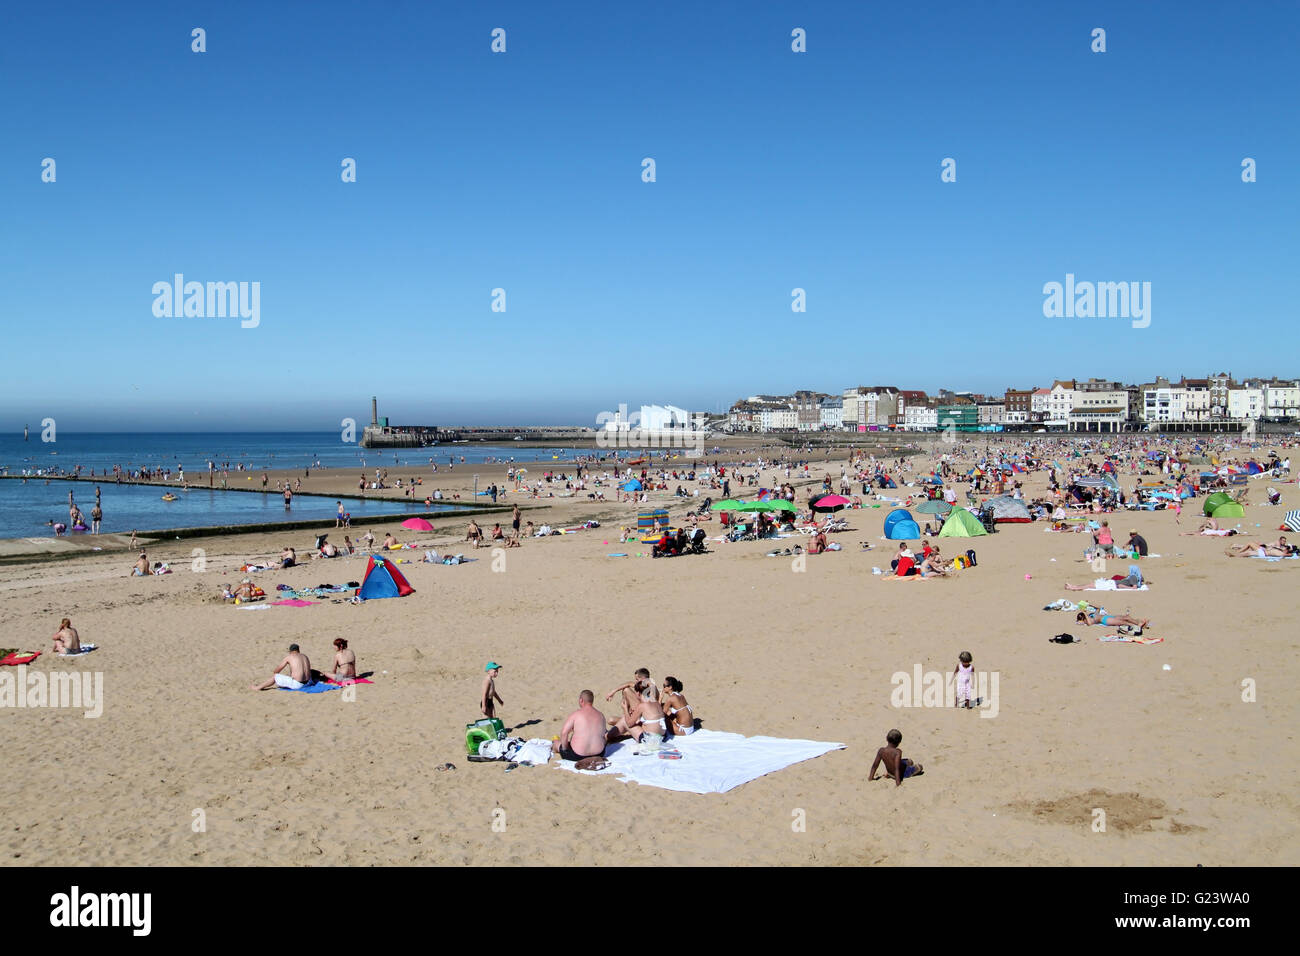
383	580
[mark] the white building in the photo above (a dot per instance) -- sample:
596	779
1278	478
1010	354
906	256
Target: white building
1100	406
1282	399
921	416
1060	403
1039	404
1246	401
832	412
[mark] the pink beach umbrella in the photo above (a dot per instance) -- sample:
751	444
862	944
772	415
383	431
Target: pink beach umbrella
830	503
417	524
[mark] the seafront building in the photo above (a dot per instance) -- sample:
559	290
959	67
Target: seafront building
1214	402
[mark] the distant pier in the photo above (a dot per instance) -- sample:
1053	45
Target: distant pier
380	434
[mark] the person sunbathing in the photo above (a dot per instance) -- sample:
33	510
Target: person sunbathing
932	565
681	718
345	661
583	734
298	674
645	722
1259	549
391	543
497	533
818	543
1097	616
141	567
66	638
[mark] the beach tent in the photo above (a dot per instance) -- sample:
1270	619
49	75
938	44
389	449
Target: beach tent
1253	468
1229	509
632	485
1008	509
383	580
1214	500
1292	520
901	526
962	524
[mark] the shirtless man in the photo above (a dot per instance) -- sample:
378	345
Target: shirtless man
141	568
1260	549
66	638
391	543
584	731
345	661
298	675
475	533
897	767
631	691
288	558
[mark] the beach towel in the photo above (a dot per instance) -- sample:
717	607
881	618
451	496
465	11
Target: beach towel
294	602
534	752
319	687
254	607
712	761
1130	639
14	658
347	680
1101	585
85	649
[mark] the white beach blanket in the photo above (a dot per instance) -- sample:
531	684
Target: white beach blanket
712	761
1101	585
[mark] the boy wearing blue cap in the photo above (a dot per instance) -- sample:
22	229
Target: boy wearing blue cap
490	694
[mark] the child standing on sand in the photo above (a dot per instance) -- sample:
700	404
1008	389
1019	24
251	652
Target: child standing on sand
965	674
489	693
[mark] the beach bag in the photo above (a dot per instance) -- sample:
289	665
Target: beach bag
1063	639
970	555
482	731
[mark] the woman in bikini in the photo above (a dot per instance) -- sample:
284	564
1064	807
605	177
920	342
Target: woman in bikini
681	718
1110	620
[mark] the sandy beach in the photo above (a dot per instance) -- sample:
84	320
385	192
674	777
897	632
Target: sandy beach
1185	769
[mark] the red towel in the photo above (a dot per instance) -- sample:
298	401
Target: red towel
15	659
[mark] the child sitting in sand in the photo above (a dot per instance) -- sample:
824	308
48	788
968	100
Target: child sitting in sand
897	766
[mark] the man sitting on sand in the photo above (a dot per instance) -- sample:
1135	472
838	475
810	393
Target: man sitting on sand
288	558
298	676
631	691
66	638
897	767
345	661
583	735
391	543
141	568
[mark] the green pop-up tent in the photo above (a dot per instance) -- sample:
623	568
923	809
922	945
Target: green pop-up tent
962	524
1229	509
1216	499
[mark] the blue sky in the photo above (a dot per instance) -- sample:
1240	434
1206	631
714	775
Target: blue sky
522	171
